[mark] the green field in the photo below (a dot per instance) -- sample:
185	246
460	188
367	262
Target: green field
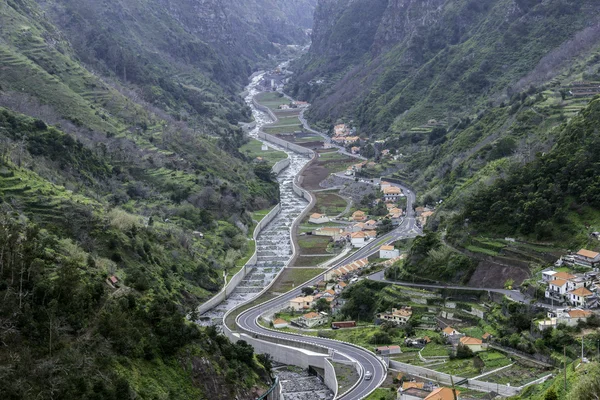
271	100
293	277
253	149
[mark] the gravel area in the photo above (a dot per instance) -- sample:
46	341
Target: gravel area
350	189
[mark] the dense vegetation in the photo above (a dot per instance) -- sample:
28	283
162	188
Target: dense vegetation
119	157
540	198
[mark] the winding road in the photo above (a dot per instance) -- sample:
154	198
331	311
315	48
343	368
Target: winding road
248	320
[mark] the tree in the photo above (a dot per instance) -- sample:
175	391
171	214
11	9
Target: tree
307	291
322	305
385	226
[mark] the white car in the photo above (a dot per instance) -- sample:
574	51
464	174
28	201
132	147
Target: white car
368	375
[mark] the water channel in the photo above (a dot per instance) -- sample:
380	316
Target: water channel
273	245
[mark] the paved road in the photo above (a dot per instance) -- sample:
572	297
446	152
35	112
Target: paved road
513	294
248	320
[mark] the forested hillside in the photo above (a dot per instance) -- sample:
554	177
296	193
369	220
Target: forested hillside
551	197
462	89
118	159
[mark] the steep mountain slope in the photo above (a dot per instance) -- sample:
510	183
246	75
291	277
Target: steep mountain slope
396	63
118	157
462	88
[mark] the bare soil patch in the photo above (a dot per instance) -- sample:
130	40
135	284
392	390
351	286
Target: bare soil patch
493	275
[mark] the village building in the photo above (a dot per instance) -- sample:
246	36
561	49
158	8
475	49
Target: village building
355	150
358	227
388	350
587	258
358	239
356	266
566	317
301	303
318	218
370	234
311	320
449	331
443	393
474	344
359	216
388	252
371	224
351	139
343	324
392	193
580	297
279	323
412	394
384	185
335	233
397	316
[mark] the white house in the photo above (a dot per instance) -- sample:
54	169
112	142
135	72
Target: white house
280	323
388	252
449	331
579	297
556	288
318	219
548	276
358	239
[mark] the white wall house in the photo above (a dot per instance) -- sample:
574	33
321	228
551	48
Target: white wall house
580	296
318	219
358	239
388	252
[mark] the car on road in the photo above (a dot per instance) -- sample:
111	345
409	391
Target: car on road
368	375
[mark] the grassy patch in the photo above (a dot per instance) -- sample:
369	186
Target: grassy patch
292	277
253	149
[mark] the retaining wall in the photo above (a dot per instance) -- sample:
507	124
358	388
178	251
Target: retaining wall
444	379
265	109
284	143
281	165
330	378
283	353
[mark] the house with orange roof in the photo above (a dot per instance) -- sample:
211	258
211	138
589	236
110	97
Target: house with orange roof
371	234
587	258
355	150
301	303
556	288
444	393
359	216
392	193
476	345
449	331
388	252
317	218
397	316
311	320
279	323
358	239
371	224
580	297
567	317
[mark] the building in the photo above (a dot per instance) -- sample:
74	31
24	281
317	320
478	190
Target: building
487	337
301	303
476	345
370	234
556	288
311	320
280	323
548	276
384	185
388	252
388	350
355	150
359	216
358	239
343	324
397	316
567	317
392	193
443	393
354	267
449	331
587	258
412	394
370	224
360	226
580	297
318	219
335	233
